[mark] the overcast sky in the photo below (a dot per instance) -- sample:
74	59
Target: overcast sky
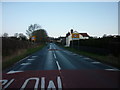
57	18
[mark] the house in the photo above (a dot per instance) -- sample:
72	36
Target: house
61	40
74	35
84	36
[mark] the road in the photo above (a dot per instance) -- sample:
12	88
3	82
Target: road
60	69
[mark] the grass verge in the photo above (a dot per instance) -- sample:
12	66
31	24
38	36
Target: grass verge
107	59
9	62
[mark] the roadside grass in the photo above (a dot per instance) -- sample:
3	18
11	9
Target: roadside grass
17	57
107	59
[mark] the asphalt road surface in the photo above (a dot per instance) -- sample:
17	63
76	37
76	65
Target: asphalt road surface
54	67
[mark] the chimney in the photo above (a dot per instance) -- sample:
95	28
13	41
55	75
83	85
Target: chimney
71	30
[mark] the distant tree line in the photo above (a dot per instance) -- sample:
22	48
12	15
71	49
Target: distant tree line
40	34
17	36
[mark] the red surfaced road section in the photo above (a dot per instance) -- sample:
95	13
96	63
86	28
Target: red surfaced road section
62	79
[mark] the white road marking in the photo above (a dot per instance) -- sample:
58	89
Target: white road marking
54	56
59	83
74	54
26	82
25	63
51	85
59	68
34	56
3	82
86	58
42	83
50	47
31	59
95	62
54	47
80	56
11	81
65	51
22	59
11	72
114	69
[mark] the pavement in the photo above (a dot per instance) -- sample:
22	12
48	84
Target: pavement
55	67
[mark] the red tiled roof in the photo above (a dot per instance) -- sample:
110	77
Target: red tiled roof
84	34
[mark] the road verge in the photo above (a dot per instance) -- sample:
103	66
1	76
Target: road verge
106	59
22	54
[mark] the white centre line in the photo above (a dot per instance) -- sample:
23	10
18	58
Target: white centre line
59	68
54	56
50	47
54	47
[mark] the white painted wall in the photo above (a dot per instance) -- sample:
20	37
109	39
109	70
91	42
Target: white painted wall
69	38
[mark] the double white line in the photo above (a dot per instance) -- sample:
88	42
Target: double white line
59	68
58	65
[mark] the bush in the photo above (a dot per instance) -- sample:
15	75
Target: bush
110	44
10	46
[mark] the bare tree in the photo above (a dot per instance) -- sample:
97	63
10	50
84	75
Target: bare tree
32	28
36	27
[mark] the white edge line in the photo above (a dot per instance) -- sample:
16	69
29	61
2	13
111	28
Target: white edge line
22	59
59	68
55	56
